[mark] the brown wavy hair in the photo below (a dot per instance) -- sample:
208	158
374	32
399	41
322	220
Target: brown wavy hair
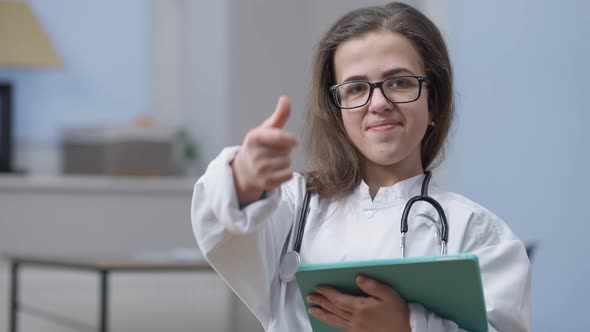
335	161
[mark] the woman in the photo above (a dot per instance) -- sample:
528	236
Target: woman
380	109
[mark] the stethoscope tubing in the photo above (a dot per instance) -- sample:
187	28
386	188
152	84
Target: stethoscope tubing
302	221
423	197
290	261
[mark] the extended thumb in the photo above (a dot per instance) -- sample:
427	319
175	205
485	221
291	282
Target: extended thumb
281	114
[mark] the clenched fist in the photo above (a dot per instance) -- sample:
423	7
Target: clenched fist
264	160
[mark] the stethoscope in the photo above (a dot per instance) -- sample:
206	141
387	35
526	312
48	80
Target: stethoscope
291	260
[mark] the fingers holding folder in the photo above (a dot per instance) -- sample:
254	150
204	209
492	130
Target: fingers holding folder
360	313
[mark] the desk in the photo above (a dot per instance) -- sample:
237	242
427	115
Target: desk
102	266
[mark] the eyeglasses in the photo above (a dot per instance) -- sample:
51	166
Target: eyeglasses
397	89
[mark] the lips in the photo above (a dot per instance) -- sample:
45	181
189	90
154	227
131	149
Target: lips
382	125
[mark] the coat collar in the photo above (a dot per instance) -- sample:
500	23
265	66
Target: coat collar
402	190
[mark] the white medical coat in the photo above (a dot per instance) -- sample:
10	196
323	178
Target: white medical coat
245	245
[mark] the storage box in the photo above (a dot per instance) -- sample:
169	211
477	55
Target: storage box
126	151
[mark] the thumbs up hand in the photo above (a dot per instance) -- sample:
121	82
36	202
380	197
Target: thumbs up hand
264	159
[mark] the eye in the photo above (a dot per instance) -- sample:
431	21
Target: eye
355	88
401	83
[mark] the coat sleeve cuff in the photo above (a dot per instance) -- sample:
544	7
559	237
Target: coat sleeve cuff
418	318
219	184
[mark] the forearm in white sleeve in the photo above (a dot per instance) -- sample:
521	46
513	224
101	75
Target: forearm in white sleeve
242	245
422	320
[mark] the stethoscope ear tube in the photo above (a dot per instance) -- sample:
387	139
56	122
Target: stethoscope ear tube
290	261
302	221
444	236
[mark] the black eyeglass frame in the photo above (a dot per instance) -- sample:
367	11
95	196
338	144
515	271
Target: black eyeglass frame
373	85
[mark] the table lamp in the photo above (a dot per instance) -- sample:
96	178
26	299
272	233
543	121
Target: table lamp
23	44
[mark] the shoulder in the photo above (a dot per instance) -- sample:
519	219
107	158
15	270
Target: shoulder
480	225
461	202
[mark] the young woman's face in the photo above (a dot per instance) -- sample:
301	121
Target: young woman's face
387	134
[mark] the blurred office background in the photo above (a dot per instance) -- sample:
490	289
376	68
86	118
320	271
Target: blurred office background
214	69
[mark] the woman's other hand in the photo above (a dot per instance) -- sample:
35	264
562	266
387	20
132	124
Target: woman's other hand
264	160
382	310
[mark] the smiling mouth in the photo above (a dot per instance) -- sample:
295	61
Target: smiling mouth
383	127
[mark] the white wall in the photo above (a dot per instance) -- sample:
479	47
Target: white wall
270	51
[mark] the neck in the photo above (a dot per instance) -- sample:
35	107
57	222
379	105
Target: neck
377	176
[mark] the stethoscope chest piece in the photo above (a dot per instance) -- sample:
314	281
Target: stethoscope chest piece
288	265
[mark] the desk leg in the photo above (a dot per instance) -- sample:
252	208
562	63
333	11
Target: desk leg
13	305
103	301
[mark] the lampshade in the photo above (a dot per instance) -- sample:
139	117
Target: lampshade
23	42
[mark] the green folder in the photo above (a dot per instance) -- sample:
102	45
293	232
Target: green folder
449	286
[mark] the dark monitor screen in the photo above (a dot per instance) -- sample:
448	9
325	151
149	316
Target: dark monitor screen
2	121
5	128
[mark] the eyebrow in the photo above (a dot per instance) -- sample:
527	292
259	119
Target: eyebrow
389	73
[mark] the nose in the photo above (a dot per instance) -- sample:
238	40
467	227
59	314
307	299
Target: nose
378	102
